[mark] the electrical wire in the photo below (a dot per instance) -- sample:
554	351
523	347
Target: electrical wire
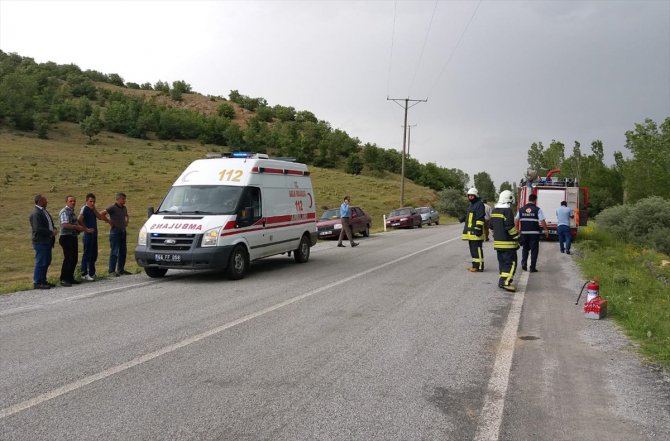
455	47
423	48
388	81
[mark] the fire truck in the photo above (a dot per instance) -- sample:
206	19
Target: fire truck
551	191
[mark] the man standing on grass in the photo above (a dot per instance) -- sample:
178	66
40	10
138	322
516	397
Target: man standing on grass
88	217
43	238
69	230
118	221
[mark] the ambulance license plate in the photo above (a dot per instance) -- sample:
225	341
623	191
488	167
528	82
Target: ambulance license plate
167	257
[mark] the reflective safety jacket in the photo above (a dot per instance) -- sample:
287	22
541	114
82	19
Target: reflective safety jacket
530	219
505	235
474	221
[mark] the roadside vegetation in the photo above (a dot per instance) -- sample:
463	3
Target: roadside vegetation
636	283
627	250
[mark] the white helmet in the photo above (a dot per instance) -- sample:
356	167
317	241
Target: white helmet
473	191
506	197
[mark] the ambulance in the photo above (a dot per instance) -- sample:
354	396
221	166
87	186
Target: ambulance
227	211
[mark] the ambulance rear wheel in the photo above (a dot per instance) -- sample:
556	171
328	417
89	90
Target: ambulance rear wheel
155	273
301	254
238	263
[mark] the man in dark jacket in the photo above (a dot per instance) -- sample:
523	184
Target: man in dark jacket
473	231
43	238
505	239
530	221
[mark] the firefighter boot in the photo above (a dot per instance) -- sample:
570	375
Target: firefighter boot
509	288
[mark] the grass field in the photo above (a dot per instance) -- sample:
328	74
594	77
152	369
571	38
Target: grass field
636	286
143	169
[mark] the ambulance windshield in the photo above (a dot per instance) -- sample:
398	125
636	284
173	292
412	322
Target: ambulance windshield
201	199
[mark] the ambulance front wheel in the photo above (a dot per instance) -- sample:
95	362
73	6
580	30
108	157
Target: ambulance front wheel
238	263
301	254
155	273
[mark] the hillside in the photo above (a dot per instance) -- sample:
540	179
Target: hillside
207	105
143	169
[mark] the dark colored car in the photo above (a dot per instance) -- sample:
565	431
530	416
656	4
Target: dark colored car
406	217
429	215
330	223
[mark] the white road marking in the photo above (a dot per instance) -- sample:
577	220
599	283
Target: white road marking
196	338
490	417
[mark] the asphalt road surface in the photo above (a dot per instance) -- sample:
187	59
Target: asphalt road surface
392	340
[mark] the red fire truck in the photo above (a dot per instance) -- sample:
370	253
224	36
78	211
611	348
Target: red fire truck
551	191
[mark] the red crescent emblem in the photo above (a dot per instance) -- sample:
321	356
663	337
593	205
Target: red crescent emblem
310	200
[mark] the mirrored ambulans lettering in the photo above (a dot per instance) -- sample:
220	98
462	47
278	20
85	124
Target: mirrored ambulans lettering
176	226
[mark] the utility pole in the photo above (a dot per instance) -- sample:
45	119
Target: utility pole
404	141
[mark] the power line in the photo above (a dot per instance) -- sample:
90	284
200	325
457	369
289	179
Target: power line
388	81
404	141
423	48
456	47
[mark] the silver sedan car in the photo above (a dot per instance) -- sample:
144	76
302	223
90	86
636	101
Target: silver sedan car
429	215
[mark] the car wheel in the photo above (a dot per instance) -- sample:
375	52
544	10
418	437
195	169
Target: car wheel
301	254
437	222
420	225
155	273
366	232
238	263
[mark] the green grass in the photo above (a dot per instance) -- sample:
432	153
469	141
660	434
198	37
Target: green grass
144	170
636	286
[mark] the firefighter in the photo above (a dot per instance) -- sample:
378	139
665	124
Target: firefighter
529	221
505	239
473	231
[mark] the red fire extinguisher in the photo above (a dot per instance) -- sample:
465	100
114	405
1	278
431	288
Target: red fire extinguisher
592	290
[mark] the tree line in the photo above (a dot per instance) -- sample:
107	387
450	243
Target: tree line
644	174
35	95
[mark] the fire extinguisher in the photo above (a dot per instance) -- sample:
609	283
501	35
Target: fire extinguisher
592	290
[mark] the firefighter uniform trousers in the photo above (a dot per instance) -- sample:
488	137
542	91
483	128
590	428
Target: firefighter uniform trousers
505	242
507	263
473	232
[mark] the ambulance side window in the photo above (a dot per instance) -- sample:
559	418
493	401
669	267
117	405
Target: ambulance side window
249	210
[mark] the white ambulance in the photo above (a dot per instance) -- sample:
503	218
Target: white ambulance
224	212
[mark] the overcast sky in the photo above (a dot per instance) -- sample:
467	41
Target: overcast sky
498	75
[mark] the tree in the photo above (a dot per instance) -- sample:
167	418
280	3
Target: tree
648	172
485	187
226	110
91	125
453	202
115	79
354	165
182	86
162	86
505	186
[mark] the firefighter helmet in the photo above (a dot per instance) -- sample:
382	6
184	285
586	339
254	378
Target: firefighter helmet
506	197
473	191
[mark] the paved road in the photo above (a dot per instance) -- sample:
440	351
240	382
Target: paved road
393	340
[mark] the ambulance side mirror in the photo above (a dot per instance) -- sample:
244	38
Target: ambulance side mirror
150	211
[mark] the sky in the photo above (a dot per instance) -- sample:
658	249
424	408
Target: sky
497	75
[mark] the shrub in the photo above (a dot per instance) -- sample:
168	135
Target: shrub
452	202
226	110
643	223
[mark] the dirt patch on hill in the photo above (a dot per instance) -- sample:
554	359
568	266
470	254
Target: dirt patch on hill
207	105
